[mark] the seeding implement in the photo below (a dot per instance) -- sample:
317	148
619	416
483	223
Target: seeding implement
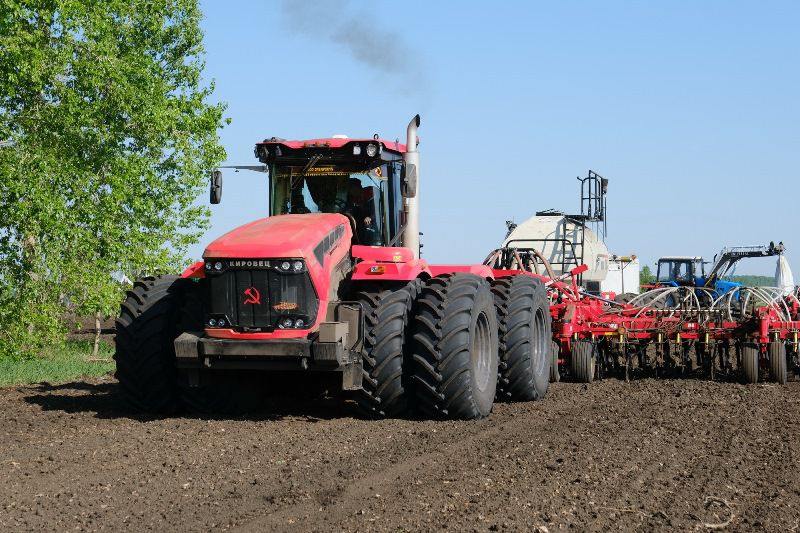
688	319
754	327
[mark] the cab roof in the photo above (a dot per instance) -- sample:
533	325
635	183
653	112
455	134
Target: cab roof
333	142
680	258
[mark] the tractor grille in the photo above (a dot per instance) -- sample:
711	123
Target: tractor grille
259	299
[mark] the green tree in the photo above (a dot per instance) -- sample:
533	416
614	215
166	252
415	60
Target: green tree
646	276
106	131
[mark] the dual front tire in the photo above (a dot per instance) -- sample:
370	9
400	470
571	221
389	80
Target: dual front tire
386	314
155	311
145	331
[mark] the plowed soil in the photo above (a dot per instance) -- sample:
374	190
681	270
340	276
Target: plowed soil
646	455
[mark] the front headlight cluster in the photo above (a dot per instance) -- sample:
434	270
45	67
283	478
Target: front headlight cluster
292	323
283	323
371	150
283	265
291	266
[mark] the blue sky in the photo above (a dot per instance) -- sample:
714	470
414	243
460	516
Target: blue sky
691	109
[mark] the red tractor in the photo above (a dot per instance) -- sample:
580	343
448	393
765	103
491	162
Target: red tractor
331	284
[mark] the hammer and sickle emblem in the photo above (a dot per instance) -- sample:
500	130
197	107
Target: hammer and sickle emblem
253	297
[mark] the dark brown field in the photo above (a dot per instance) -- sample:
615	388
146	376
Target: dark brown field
648	455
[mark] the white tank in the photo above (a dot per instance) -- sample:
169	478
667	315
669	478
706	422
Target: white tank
551	235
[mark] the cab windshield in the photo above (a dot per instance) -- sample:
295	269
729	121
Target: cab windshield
358	193
681	270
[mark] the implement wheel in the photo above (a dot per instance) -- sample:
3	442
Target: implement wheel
777	362
750	356
523	313
625	297
386	313
145	355
582	362
454	347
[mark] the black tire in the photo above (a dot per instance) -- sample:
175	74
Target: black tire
750	357
777	362
383	391
454	347
583	360
555	374
523	315
145	353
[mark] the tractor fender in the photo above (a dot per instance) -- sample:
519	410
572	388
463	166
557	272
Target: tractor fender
388	263
196	271
479	270
390	271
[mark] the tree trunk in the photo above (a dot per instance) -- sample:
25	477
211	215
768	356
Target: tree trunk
96	348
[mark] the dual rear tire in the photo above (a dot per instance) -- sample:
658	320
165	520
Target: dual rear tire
467	342
453	347
526	340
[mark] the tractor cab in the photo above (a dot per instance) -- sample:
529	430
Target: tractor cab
364	180
681	271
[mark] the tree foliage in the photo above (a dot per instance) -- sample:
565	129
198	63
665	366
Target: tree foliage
646	276
106	131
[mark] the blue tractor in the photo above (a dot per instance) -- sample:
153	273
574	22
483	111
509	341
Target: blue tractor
683	271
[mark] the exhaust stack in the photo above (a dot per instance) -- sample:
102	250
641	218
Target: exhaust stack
411	157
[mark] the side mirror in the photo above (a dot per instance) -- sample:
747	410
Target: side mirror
410	181
216	187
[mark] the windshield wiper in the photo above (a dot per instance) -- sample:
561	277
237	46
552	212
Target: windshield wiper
311	163
296	180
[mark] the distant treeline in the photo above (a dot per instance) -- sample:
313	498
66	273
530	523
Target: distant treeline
753	281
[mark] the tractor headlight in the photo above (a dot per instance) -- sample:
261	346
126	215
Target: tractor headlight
218	266
212	322
297	266
372	150
356	149
286	265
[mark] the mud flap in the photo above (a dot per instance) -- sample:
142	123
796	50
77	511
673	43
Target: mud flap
352	376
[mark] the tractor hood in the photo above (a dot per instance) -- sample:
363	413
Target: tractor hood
282	236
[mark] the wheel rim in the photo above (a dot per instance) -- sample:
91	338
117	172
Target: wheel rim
482	352
540	343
